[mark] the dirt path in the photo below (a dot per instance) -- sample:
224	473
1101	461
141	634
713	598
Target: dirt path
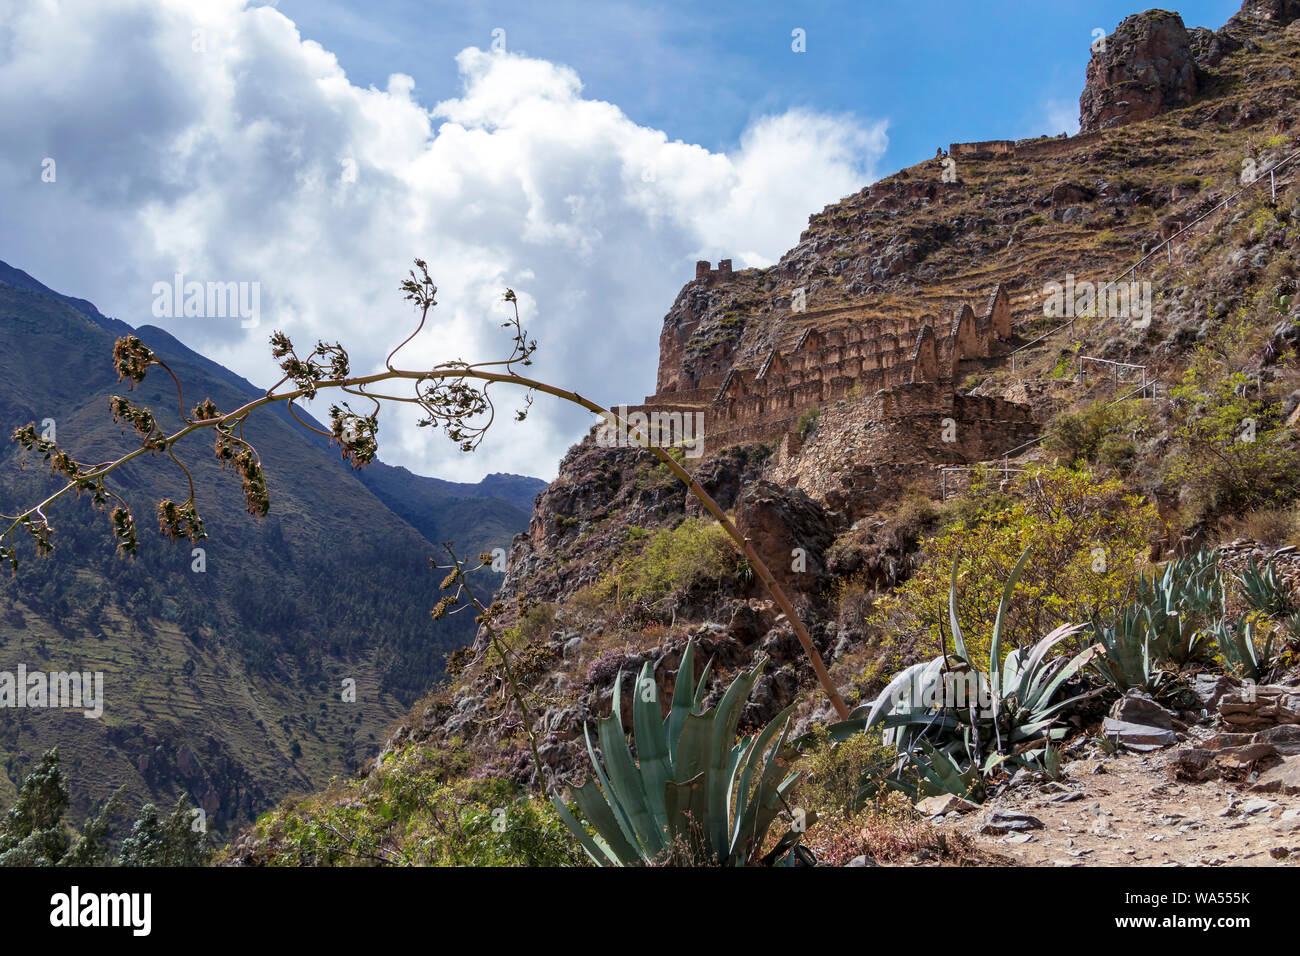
1128	809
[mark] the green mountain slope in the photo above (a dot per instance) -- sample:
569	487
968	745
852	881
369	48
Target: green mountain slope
225	683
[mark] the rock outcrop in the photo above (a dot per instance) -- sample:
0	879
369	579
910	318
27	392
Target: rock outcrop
1141	70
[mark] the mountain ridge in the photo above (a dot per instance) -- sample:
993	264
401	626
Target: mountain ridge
259	643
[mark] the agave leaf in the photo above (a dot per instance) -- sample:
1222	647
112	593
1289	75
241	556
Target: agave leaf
921	718
623	774
726	718
767	812
1013	669
688	805
892	694
958	642
751	829
1030	730
993	762
757	747
1064	673
942	772
1034	672
693	748
683	699
697	703
789	840
995	644
651	744
624	822
596	848
595	808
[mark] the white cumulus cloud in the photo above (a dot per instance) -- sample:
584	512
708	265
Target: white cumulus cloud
212	140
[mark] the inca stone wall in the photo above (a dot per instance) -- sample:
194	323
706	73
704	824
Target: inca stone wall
861	356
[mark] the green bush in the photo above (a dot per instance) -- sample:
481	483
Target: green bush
1088	536
410	813
1096	434
807	421
696	553
844	776
1231	451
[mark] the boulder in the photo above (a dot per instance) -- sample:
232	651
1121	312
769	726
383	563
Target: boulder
1139	737
943	804
1284	778
1211	688
1006	821
791	533
1141	70
1136	707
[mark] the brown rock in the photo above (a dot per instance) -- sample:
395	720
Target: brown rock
790	532
1284	778
1285	737
1238	761
1143	69
1136	707
1193	765
1068	194
944	803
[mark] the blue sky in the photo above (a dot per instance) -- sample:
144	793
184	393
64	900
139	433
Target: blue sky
940	71
312	148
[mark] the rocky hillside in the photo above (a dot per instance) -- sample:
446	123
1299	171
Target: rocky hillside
223	682
917	330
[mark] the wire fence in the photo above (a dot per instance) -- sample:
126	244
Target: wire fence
1167	245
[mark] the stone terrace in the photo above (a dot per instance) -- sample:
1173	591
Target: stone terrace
906	363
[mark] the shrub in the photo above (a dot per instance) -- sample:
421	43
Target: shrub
696	553
414	810
844	776
1088	536
1273	527
806	421
1095	434
1231	452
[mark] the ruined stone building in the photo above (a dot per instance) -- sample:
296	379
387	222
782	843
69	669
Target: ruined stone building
889	367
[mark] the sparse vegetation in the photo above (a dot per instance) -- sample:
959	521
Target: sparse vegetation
1089	535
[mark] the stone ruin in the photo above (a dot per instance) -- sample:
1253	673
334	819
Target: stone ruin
901	368
704	272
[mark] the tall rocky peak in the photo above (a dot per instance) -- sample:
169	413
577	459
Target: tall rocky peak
1152	63
1141	70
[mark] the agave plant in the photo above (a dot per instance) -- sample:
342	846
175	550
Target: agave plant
1125	660
1264	590
1176	604
1008	714
1239	649
692	793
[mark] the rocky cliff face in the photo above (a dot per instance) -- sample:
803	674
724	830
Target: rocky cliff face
1152	63
1141	70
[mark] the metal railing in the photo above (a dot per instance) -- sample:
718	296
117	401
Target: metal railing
1115	365
1005	469
1131	271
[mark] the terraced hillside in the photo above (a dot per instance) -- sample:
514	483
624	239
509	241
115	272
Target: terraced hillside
226	683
